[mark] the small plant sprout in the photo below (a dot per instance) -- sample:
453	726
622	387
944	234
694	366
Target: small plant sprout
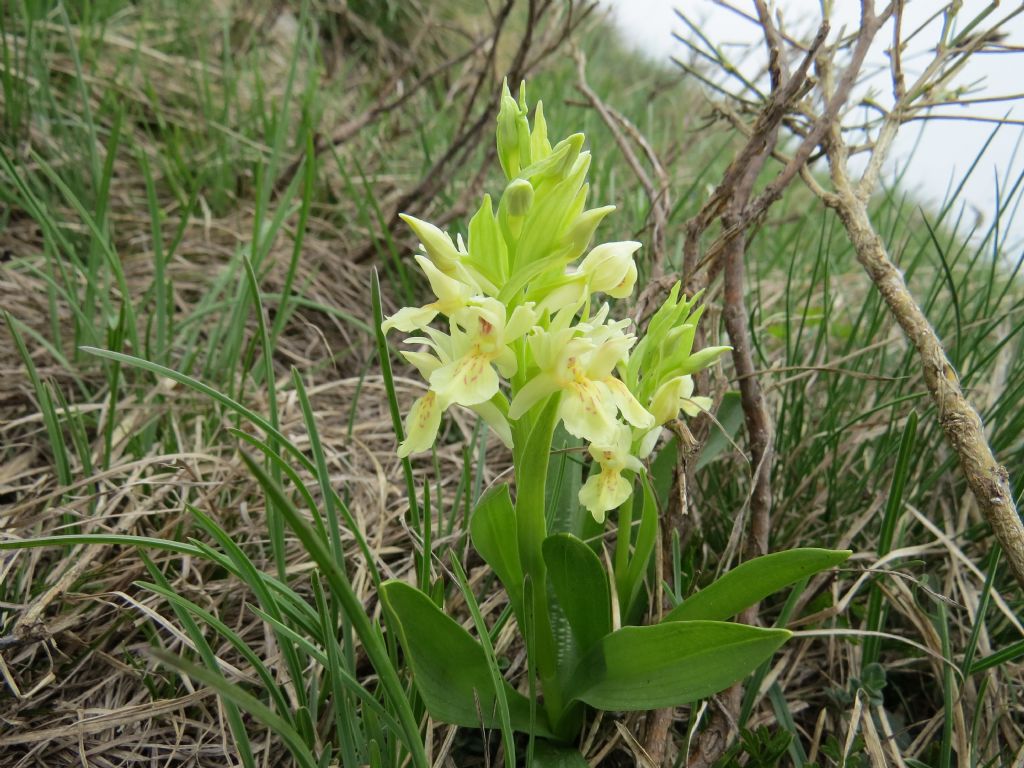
522	332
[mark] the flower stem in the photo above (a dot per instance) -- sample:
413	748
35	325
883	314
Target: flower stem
623	537
531	464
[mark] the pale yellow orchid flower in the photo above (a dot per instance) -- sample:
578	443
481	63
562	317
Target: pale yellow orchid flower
436	243
606	488
676	395
609	268
480	338
424	418
421	424
581	368
673	396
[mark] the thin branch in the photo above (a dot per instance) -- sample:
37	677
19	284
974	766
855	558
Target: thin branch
382	107
772	113
960	421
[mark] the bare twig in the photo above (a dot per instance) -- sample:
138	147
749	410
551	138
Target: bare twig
731	201
773	111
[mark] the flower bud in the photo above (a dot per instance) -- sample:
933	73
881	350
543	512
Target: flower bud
666	401
512	141
437	244
518	197
610	268
540	147
523	130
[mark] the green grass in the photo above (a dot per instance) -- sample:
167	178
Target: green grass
226	442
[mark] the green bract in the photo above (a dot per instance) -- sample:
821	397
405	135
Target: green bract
520	334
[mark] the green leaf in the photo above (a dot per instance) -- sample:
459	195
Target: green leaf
662	471
206	653
383	355
723	434
492	527
1002	656
562	494
531	463
877	606
753	581
488	251
669	664
341	588
632	579
449	667
565	514
581	586
497	683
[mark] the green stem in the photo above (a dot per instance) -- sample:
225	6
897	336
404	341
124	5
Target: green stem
623	537
531	454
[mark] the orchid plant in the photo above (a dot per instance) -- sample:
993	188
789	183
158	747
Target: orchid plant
522	333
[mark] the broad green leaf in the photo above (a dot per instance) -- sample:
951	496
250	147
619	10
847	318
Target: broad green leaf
492	527
753	581
565	514
581	586
449	667
531	461
531	484
669	664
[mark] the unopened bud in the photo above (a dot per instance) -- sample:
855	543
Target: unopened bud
508	133
668	398
437	244
610	268
518	197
